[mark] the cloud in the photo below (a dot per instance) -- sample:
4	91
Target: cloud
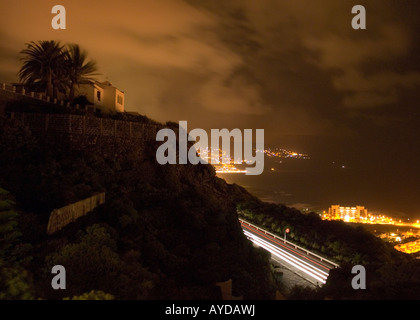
275	64
375	90
166	38
303	34
347	57
295	68
8	62
229	93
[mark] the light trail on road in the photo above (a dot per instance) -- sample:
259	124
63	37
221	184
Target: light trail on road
312	267
284	255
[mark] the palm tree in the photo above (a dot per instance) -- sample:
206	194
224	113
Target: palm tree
42	67
80	71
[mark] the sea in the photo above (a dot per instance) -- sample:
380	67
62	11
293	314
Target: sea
315	185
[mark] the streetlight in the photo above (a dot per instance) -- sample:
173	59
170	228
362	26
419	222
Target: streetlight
286	231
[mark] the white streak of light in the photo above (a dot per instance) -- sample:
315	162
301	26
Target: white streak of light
297	263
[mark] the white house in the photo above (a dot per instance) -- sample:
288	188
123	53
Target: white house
103	95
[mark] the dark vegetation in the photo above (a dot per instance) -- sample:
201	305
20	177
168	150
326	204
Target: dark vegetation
164	231
390	274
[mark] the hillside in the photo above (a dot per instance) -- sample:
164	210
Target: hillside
164	231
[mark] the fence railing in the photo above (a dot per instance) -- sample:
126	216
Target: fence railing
290	243
20	90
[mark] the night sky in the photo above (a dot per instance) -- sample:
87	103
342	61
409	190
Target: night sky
294	68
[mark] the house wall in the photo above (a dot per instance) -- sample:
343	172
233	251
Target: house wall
90	92
108	96
99	99
119	106
111	94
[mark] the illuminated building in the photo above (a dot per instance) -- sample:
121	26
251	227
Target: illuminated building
347	213
103	95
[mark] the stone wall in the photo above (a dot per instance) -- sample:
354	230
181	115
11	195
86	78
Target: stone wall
59	218
86	125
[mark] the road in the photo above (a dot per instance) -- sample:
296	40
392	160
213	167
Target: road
312	267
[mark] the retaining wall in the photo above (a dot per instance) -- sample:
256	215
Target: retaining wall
86	125
59	218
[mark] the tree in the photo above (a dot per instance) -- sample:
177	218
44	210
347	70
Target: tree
8	231
53	68
93	295
14	279
80	71
42	67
